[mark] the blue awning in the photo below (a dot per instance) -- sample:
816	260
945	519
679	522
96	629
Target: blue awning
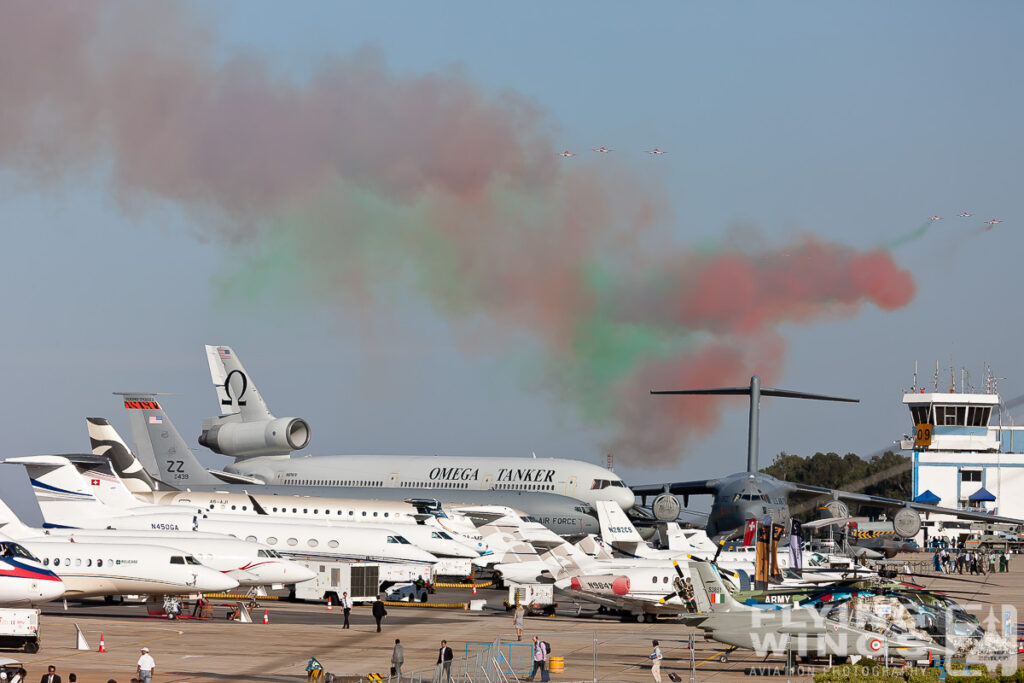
980	495
928	497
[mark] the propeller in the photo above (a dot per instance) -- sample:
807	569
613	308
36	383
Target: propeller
678	584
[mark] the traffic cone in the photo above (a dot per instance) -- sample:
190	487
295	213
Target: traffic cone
329	606
1020	646
266	620
103	645
474	587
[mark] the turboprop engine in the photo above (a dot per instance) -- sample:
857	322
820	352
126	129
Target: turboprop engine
279	436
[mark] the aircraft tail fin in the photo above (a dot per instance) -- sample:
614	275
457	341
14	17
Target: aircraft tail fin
157	440
236	392
105	441
12	525
62	495
709	591
617	530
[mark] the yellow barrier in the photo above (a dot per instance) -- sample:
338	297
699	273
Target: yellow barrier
486	584
439	605
556	665
233	596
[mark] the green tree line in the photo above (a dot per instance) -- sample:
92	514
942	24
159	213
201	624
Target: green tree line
888	474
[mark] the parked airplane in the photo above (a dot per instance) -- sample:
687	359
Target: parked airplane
260	442
754	495
248	563
23	578
90	569
306	539
176	466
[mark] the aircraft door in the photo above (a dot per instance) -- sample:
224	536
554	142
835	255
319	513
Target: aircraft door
488	482
570	486
393	480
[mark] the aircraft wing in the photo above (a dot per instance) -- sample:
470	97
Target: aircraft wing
618	603
684	488
863	498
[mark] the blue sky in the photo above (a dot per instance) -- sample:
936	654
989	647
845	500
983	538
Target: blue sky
853	123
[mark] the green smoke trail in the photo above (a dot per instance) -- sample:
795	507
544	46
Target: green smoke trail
909	237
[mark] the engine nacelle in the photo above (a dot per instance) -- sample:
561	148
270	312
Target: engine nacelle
906	523
666	508
243	439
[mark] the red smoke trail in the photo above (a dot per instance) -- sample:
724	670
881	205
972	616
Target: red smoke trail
368	178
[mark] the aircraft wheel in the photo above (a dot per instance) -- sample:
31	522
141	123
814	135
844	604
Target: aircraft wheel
724	657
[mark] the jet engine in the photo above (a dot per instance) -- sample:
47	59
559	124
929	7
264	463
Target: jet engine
666	508
906	523
280	436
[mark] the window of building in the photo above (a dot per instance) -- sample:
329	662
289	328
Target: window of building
970	475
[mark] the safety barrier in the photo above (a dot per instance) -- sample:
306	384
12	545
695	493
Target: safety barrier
485	584
436	605
238	596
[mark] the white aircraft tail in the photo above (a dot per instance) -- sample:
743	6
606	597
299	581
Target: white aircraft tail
12	525
236	392
107	442
618	531
63	497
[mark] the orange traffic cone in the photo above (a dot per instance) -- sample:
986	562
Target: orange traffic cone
1020	645
103	645
329	607
266	617
474	587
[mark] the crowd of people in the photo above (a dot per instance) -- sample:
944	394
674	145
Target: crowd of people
949	561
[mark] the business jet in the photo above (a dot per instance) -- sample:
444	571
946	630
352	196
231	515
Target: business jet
23	578
248	563
306	539
260	443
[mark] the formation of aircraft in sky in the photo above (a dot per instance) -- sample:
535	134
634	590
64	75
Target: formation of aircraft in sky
605	150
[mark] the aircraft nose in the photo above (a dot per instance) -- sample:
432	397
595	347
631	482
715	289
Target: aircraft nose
620	586
50	590
295	573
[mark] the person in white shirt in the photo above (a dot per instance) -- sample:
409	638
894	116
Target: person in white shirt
146	666
346	607
656	658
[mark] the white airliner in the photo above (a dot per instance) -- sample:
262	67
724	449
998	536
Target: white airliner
23	578
248	563
260	442
53	476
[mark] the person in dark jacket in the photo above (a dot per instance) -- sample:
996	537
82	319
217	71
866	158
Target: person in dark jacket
444	659
378	612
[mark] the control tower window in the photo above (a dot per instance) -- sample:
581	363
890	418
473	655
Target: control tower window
977	416
951	415
921	414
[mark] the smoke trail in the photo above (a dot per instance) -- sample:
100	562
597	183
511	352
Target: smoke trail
912	236
356	184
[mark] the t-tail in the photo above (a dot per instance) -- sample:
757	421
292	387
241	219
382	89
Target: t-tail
159	445
246	427
618	531
755	391
709	590
64	498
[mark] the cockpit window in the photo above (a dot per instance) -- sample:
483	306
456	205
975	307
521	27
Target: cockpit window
177	559
618	482
191	560
12	549
398	539
600	484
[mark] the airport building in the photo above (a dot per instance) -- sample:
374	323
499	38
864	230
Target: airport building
965	456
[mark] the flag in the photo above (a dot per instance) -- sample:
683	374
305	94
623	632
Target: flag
748	533
155	420
225	354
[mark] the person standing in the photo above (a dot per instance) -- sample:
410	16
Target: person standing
146	666
540	655
51	675
397	659
444	659
346	607
518	621
378	611
656	658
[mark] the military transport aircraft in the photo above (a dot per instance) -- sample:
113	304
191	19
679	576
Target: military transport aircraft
755	495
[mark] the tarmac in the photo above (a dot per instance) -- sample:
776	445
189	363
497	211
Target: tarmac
594	646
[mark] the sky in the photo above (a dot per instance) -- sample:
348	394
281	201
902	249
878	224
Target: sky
365	200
